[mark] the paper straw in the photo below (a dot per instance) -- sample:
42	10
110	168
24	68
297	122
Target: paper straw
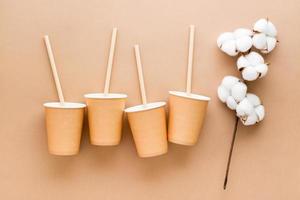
190	60
110	60
140	73
54	70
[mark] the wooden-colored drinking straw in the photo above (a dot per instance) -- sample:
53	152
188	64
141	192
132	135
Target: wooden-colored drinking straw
190	60
110	60
54	70
140	73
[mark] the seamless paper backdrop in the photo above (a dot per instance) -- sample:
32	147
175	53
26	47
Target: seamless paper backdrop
266	158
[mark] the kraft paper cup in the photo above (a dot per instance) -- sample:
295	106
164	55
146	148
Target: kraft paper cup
148	126
105	115
64	127
186	117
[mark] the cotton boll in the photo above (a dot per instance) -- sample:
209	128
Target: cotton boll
264	37
232	91
238	91
252	66
231	103
226	42
251	58
223	93
234	42
243	39
250	110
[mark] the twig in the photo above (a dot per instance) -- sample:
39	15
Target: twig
230	152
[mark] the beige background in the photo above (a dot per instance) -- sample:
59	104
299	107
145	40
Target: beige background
266	161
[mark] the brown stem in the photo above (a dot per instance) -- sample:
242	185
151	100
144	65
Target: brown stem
230	152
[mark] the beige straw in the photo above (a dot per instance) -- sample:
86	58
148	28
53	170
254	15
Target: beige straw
140	73
190	60
54	70
110	60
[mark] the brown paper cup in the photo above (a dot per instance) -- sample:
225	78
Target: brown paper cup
186	117
105	114
148	126
64	127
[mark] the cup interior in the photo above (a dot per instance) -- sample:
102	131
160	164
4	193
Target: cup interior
65	105
144	107
105	96
190	96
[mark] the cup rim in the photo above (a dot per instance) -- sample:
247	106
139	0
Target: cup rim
190	96
65	105
105	96
142	107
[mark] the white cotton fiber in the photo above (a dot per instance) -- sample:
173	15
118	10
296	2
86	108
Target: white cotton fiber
231	91
250	110
252	66
265	34
234	42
